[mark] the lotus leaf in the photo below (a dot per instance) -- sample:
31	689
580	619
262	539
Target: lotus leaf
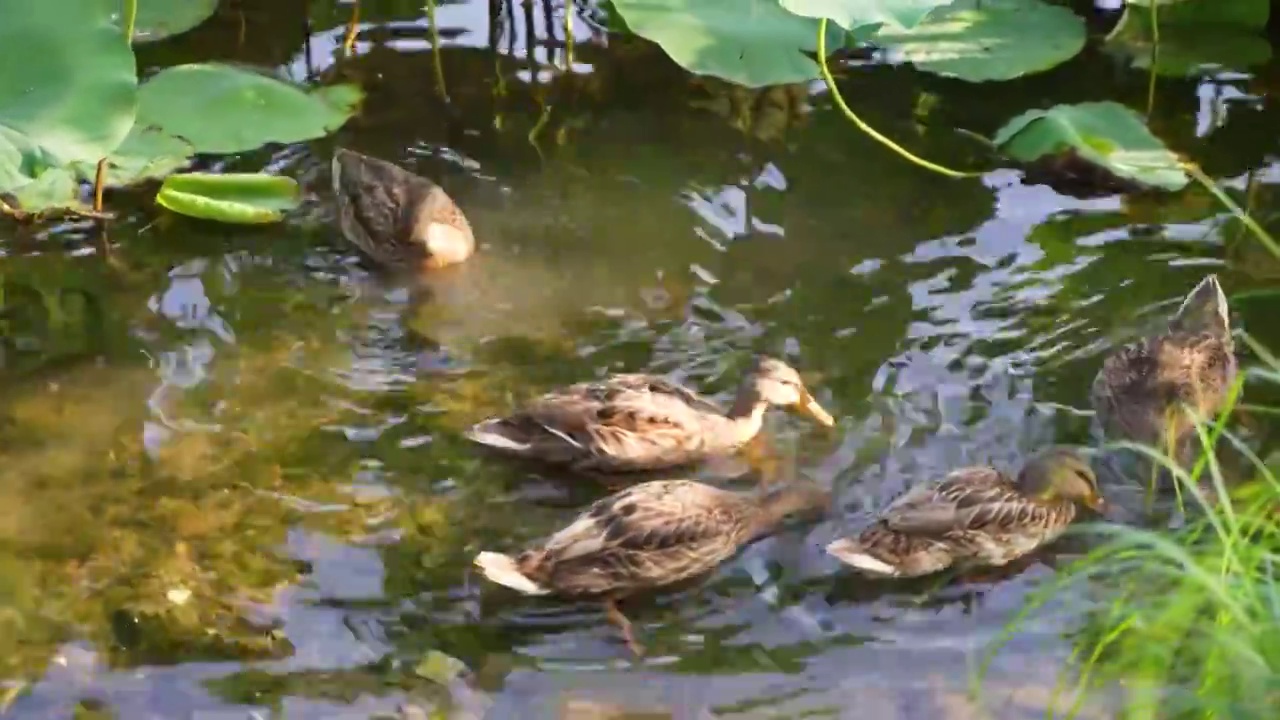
1106	134
750	42
981	40
159	19
75	104
223	109
248	198
852	14
1194	35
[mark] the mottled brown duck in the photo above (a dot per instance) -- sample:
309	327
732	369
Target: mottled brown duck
635	422
646	537
399	220
1140	393
975	517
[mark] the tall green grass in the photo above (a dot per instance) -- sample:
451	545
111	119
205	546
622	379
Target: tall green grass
1186	624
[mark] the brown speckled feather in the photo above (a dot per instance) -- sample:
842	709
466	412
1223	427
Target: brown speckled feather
626	422
1144	383
388	213
974	516
1141	380
648	535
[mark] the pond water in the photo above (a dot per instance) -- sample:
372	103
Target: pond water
234	483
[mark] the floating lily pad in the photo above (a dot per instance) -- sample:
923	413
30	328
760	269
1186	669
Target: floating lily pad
147	153
750	42
159	19
1107	135
55	189
981	40
243	198
68	91
1194	35
223	109
851	14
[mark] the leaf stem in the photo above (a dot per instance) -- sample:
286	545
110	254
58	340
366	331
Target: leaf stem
435	50
1259	232
130	19
862	125
348	42
568	35
99	178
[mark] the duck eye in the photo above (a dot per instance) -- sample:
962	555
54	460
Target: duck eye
1086	477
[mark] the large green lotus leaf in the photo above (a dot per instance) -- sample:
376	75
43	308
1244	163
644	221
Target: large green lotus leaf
851	14
750	42
1194	35
68	87
1241	13
158	19
980	40
223	109
246	198
147	153
55	188
1106	134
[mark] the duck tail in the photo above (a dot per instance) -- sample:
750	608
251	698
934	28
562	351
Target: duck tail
494	433
1205	309
851	552
503	570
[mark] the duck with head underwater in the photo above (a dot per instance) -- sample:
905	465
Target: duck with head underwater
637	422
975	517
401	221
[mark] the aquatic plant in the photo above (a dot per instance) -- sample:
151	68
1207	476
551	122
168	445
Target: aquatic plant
764	42
75	112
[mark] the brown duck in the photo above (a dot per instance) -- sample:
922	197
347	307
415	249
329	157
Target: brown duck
975	517
646	537
399	220
634	422
1142	387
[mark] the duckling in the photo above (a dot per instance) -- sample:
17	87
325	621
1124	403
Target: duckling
648	536
976	516
635	422
399	220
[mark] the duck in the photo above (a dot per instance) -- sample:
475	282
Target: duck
634	422
975	517
1139	393
399	220
649	536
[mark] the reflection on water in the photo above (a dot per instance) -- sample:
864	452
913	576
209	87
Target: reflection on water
234	479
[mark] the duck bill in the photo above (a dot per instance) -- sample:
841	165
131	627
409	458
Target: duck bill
810	407
1097	504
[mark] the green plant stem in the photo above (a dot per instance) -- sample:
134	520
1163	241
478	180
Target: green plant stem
568	35
1259	232
863	126
435	49
130	19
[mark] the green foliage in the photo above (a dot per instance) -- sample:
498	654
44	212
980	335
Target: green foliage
159	19
750	42
1188	622
853	14
147	153
1106	134
71	99
981	40
230	198
222	109
1193	35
